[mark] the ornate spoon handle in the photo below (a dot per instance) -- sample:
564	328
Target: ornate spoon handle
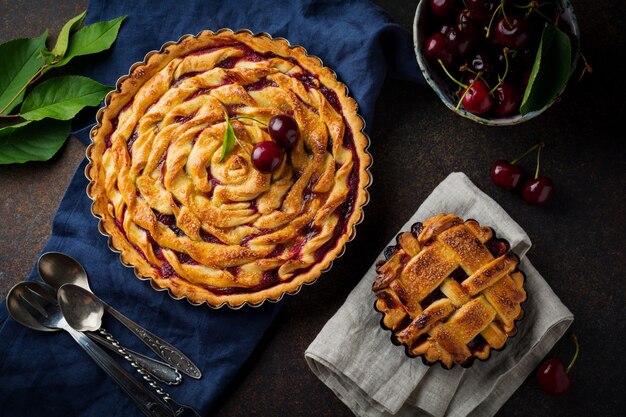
159	370
150	405
166	351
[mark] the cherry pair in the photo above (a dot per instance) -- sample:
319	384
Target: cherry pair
536	191
267	155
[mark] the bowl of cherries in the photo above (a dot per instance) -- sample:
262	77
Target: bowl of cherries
496	62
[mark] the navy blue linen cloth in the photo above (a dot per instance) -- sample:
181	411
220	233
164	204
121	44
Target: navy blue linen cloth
46	374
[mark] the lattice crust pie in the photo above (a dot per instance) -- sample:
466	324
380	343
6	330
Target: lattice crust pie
218	230
450	291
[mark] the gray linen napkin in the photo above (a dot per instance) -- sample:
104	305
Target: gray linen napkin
354	357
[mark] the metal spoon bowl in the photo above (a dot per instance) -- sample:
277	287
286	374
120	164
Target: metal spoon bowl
81	309
58	269
33	304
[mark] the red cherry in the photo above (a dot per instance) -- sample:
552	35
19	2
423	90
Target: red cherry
481	62
442	8
552	377
513	32
506	175
508	99
461	40
477	99
436	48
538	191
482	10
266	156
284	130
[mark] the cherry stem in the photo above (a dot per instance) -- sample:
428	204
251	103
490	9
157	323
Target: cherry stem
575	339
495	12
542	14
458	105
586	69
531	149
538	156
450	75
9	116
32	80
251	118
228	119
503	13
506	70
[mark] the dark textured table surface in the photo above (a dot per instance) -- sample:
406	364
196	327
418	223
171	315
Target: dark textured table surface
579	241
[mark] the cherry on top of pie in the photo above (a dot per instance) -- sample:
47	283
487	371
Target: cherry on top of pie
216	229
449	291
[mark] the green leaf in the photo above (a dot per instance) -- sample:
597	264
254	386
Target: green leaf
91	39
229	139
37	141
20	60
550	71
10	128
63	39
62	97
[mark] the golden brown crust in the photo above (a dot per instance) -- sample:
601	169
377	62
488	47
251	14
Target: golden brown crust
159	135
449	291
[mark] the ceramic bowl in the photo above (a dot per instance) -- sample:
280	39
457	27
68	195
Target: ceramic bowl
446	90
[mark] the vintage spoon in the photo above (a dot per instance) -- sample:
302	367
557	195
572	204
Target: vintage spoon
58	269
33	305
83	311
53	266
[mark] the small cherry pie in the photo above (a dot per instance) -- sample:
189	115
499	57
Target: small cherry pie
202	222
449	291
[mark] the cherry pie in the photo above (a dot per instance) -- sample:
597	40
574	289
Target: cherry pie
208	226
450	291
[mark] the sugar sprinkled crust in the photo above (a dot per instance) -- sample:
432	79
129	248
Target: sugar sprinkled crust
219	231
449	291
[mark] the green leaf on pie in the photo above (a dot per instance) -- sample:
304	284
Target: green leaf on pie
71	26
37	141
91	39
550	71
228	142
20	60
62	97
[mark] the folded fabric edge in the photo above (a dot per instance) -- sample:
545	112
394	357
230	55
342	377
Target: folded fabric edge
327	373
527	363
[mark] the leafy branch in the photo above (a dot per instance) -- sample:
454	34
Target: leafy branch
35	131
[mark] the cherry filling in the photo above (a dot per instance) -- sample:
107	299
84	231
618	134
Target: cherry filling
497	247
184	258
131	140
416	229
432	297
307	79
209	238
459	275
185	76
167	271
476	344
260	85
170	221
269	279
331	97
183	119
228	63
